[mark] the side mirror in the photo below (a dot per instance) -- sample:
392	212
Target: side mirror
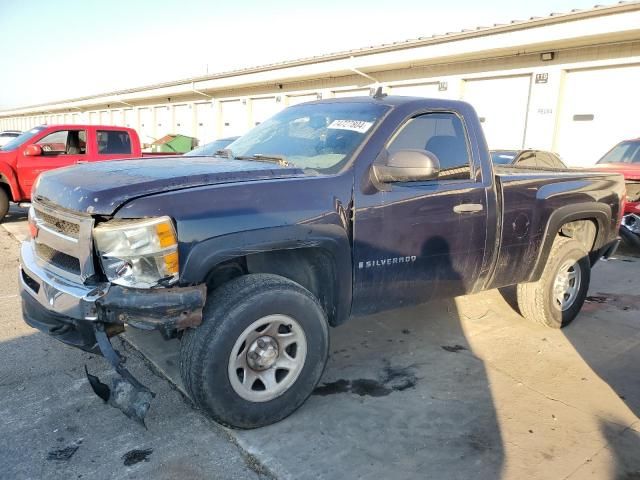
408	166
32	151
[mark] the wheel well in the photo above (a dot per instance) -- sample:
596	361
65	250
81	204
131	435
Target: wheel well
313	268
5	186
584	231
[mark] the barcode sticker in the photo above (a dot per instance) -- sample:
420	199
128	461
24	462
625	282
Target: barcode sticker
359	126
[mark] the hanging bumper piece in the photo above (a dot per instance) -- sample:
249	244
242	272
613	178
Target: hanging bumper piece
126	393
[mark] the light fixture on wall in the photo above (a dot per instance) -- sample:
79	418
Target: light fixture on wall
547	56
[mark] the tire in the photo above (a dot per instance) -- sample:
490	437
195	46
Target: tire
228	386
4	203
539	302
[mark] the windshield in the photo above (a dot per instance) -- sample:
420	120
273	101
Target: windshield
210	148
318	136
625	152
503	157
20	139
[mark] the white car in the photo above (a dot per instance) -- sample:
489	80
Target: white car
7	136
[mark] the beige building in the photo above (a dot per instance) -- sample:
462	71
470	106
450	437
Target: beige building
566	82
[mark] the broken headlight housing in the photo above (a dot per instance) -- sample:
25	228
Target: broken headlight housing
138	253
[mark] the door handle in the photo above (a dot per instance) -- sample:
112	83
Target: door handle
82	161
468	208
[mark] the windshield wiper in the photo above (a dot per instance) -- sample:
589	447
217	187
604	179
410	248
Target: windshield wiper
279	159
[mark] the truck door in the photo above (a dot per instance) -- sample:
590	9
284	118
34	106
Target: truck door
60	148
416	241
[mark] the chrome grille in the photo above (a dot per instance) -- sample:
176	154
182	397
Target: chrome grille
63	243
58	259
67	228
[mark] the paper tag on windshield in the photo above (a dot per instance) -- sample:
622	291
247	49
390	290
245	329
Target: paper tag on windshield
359	126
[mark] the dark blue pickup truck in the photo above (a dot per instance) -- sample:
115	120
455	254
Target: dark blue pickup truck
330	209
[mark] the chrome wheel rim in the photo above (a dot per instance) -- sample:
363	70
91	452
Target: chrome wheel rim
267	358
567	285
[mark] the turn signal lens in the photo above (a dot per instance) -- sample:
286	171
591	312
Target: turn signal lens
166	235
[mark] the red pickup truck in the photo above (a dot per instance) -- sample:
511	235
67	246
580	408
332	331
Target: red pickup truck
53	146
624	158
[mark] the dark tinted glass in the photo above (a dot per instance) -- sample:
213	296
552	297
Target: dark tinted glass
113	142
441	134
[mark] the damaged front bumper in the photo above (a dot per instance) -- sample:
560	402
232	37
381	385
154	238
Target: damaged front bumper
85	316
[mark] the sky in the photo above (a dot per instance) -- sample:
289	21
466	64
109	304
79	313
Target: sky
59	49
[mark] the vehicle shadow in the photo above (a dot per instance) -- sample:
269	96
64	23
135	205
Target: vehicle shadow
403	396
606	336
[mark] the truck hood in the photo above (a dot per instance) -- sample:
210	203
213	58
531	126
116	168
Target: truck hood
630	171
102	187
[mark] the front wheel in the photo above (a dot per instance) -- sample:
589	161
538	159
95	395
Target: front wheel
259	353
4	203
556	299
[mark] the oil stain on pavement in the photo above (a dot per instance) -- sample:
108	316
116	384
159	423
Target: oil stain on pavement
619	301
136	456
392	379
453	348
64	454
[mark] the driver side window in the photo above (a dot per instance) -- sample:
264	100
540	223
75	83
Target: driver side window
443	135
64	142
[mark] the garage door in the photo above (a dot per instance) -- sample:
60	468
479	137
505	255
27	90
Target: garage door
234	118
146	126
130	118
205	117
263	108
599	108
360	92
502	105
429	90
296	99
105	118
163	122
183	120
117	118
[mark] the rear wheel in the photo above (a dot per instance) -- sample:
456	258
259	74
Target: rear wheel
259	353
4	203
556	299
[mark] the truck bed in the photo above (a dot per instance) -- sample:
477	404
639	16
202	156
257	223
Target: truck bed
529	197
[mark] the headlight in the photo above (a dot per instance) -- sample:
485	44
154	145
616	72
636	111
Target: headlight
138	253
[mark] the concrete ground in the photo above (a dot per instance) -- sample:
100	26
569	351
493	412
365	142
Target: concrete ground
455	389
